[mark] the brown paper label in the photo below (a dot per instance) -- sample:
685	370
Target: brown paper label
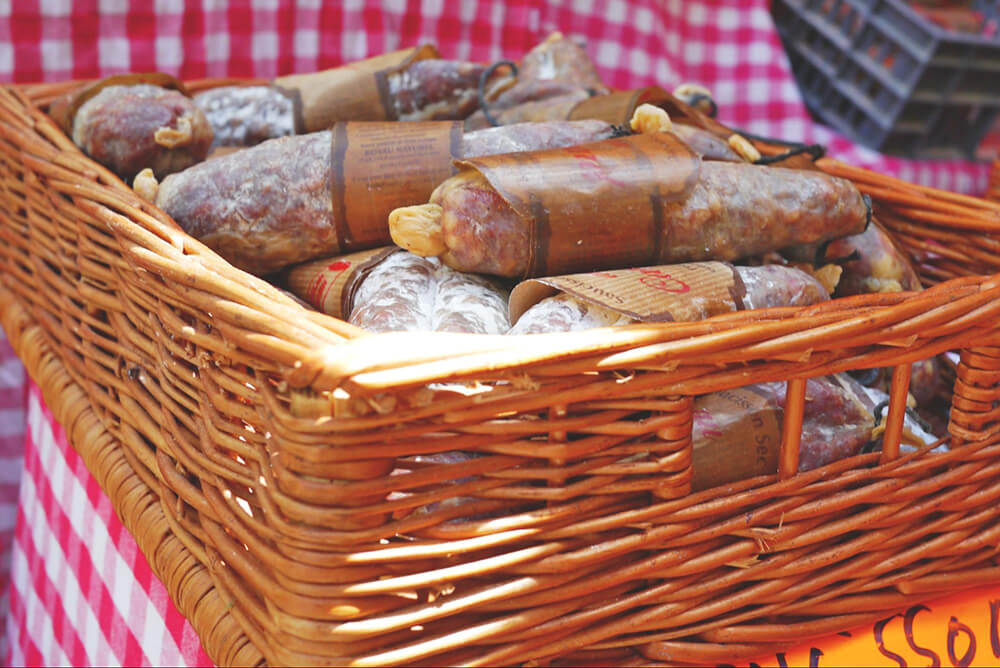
378	167
737	435
353	92
617	107
681	292
64	109
330	284
593	206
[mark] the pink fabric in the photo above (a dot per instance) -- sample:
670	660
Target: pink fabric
82	593
13	389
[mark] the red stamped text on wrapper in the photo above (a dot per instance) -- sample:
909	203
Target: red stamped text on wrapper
676	292
329	284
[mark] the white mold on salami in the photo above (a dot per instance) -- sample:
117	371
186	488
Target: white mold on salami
246	115
468	303
397	296
564	313
534	136
408	293
261	208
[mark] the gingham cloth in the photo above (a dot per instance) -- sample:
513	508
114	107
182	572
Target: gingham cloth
13	390
81	593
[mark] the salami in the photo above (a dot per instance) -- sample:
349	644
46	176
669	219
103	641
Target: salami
679	292
600	206
565	313
705	143
398	296
534	136
246	115
438	90
128	127
388	290
736	433
626	107
269	206
261	208
468	303
773	285
422	90
872	263
552	108
556	68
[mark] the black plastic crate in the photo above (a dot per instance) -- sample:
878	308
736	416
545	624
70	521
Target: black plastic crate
890	79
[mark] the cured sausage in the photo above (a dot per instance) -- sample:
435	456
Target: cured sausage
268	206
558	68
422	90
398	296
552	108
565	313
261	208
534	136
437	90
736	433
705	143
597	206
407	293
622	107
872	262
247	115
468	303
389	290
773	285
748	288
128	126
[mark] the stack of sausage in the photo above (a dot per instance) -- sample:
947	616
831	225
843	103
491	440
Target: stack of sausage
583	207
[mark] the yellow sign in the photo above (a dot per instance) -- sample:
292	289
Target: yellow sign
961	630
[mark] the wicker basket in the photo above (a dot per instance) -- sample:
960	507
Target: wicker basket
191	389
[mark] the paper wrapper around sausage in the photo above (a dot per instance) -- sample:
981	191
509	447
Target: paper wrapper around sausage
354	92
626	202
329	285
680	292
375	166
569	198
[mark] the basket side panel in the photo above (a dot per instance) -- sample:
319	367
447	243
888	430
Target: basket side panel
975	409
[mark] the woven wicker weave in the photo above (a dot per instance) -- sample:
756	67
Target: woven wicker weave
338	540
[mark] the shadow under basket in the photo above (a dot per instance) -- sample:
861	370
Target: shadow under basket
299	485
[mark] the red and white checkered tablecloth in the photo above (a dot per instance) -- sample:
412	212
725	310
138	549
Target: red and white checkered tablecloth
81	593
13	389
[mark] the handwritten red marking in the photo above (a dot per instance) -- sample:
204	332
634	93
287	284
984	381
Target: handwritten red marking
590	164
316	289
709	427
324	282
